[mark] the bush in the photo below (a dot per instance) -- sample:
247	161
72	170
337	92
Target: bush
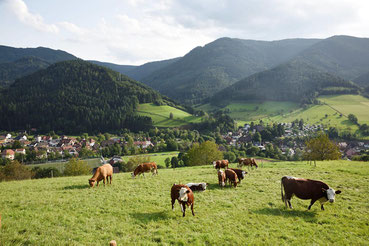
230	156
49	172
120	165
76	167
15	171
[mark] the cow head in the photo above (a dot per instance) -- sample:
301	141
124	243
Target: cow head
133	175
330	194
91	182
204	185
243	174
183	194
214	163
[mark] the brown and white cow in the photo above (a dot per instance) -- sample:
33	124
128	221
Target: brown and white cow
184	195
231	177
306	189
220	164
145	167
221	178
249	162
197	186
102	173
240	173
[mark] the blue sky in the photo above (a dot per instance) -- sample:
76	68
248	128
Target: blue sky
138	31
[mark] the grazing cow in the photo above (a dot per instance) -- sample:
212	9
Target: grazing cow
112	243
249	162
102	173
306	189
184	195
145	167
220	164
221	178
197	186
231	177
240	173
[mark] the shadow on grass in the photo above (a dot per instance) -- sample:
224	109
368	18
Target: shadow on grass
153	216
308	216
76	187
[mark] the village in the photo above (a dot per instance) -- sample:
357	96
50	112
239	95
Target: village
290	140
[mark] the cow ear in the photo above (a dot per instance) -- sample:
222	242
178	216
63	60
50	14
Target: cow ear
338	192
324	190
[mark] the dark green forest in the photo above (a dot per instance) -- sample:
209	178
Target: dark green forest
74	97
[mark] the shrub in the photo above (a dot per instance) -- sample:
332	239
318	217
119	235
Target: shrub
76	167
49	172
15	171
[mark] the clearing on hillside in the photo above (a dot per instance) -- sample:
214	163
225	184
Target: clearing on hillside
65	211
160	115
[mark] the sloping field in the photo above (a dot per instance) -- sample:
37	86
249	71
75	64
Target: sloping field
160	115
65	211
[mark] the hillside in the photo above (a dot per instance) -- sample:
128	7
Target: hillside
18	62
294	81
362	80
75	97
123	69
65	211
206	70
344	56
9	71
160	115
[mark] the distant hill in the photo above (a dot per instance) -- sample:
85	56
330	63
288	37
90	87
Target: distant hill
362	80
344	56
294	81
206	70
137	72
75	97
9	71
11	54
18	62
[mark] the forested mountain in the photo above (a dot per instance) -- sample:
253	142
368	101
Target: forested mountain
9	71
292	81
137	72
123	69
18	62
74	97
362	80
10	54
344	56
206	70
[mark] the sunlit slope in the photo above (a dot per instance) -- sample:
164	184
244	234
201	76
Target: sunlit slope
161	115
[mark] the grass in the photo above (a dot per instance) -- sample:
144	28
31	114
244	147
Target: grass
289	111
160	115
157	157
64	211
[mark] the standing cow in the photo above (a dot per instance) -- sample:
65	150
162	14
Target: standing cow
221	178
184	195
249	162
145	167
231	177
220	164
102	173
306	189
240	174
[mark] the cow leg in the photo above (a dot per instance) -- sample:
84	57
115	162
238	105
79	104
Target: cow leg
322	207
289	203
311	203
173	201
111	178
97	183
104	180
183	206
193	213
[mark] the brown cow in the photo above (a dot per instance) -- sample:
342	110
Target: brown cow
145	167
249	162
240	174
102	173
184	196
221	178
306	189
220	164
231	177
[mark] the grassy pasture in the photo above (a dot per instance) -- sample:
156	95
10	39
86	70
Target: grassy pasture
64	211
160	115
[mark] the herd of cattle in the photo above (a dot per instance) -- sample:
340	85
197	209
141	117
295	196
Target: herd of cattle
302	188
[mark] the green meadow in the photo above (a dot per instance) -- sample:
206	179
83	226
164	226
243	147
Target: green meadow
65	211
160	115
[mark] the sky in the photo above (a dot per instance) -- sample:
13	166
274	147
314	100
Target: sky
138	31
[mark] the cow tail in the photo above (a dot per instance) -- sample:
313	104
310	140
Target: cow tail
282	190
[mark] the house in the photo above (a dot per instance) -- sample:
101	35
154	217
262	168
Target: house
143	144
8	153
20	151
21	137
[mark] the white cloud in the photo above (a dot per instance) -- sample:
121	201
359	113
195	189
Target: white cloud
20	9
